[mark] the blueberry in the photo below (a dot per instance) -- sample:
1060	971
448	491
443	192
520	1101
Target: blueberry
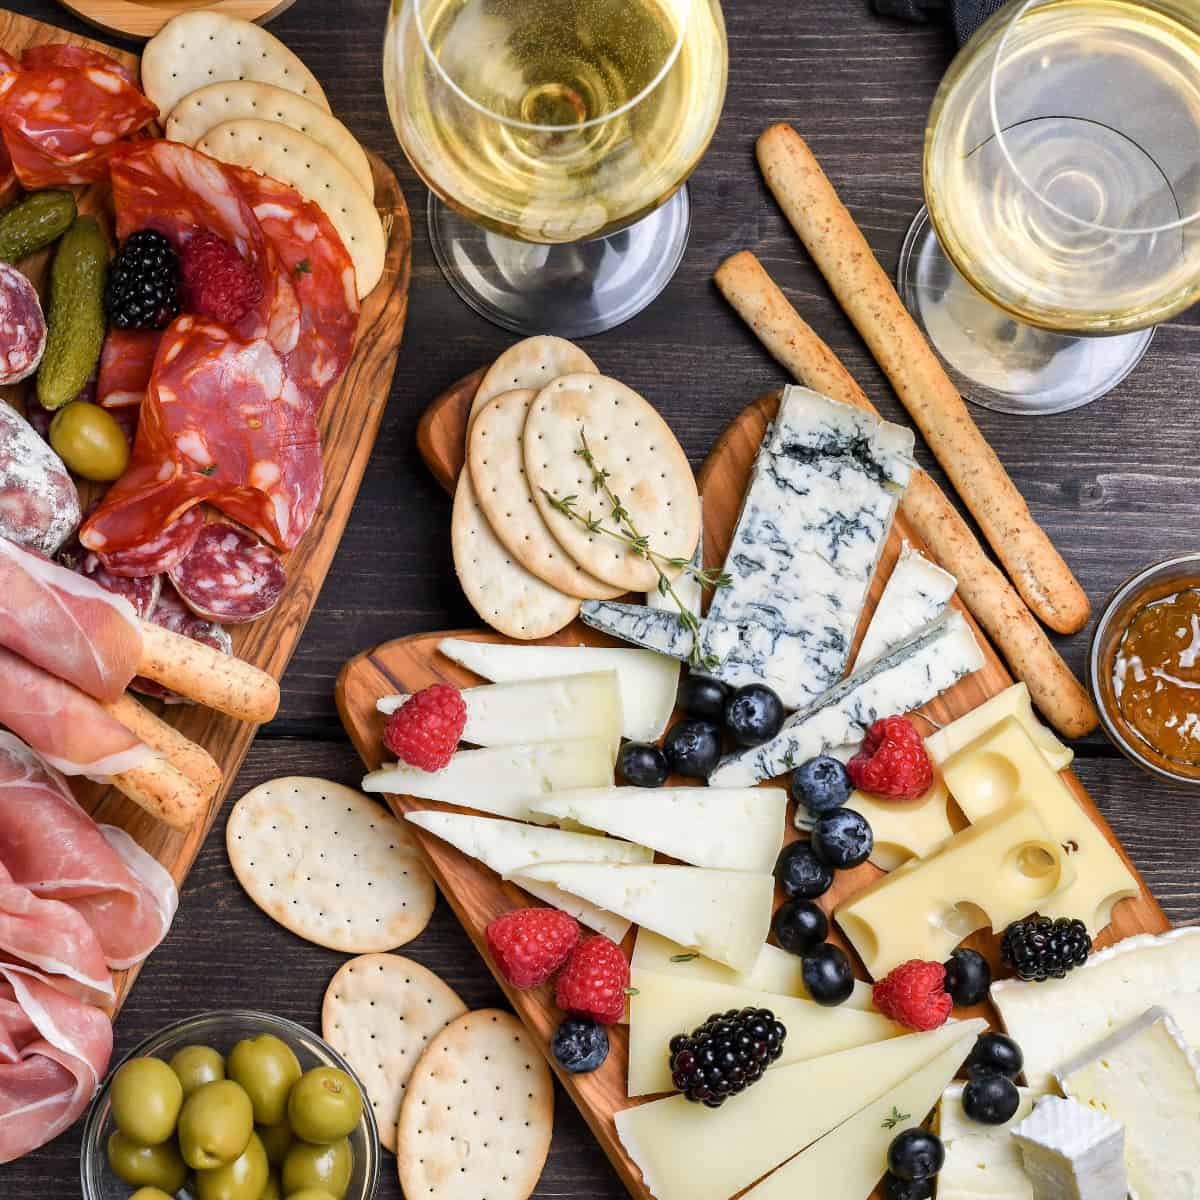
916	1154
580	1045
821	784
968	977
827	975
693	748
702	697
842	839
895	1188
992	1100
643	765
799	925
995	1054
801	873
754	715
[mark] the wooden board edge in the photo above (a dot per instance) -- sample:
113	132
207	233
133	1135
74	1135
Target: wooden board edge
441	429
141	20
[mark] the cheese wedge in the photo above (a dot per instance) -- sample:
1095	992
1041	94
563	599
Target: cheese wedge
504	780
905	829
537	710
688	1152
724	914
648	682
982	1161
506	846
662	1006
916	594
738	829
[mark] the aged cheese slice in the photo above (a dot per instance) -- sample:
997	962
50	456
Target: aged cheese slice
507	846
982	1161
538	710
916	594
688	1152
905	829
506	779
723	914
734	830
1004	767
648	681
662	1006
999	870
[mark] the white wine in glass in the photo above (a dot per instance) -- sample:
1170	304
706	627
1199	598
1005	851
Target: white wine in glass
1062	183
556	136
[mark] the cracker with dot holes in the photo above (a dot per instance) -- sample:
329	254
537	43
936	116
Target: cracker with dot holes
380	1012
197	48
329	864
496	461
296	159
531	363
239	99
478	1113
647	468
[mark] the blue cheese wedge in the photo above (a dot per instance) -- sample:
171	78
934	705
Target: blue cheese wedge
1072	1151
916	594
909	676
657	629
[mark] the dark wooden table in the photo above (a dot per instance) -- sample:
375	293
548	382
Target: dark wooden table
1115	484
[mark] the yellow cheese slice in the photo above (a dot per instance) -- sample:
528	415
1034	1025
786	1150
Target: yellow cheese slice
1013	702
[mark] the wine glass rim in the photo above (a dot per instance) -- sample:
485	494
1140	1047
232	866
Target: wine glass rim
531	127
999	134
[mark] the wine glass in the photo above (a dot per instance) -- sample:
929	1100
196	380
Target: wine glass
556	136
1062	186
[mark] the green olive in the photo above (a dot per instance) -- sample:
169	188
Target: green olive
196	1066
325	1104
243	1179
311	1194
88	439
274	1189
276	1140
326	1168
147	1166
266	1068
215	1125
149	1193
146	1097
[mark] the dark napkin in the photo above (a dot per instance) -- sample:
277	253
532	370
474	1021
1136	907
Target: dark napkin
965	15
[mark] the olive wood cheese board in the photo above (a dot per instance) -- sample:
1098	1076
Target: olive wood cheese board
349	422
144	18
477	895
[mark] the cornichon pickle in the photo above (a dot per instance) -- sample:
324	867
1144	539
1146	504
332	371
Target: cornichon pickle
33	223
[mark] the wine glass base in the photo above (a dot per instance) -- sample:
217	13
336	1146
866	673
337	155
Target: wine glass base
573	290
996	361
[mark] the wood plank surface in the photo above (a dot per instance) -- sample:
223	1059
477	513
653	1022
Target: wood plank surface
142	19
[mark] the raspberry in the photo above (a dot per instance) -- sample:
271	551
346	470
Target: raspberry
424	731
217	280
594	980
893	762
530	944
914	994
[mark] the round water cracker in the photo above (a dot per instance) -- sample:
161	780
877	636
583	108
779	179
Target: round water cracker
496	461
237	99
329	864
296	159
380	1012
201	47
478	1113
647	470
500	590
531	363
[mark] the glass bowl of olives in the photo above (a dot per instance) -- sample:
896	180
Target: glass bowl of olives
233	1105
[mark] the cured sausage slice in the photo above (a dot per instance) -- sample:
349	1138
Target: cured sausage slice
70	58
125	365
39	506
142	592
22	326
229	575
172	614
158	554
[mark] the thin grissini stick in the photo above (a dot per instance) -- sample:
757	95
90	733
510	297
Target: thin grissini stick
164	792
868	298
183	754
207	676
982	585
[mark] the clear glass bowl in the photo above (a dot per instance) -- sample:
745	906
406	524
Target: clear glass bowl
222	1030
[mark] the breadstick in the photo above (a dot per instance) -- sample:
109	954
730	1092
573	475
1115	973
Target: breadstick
193	761
864	291
164	792
207	676
982	586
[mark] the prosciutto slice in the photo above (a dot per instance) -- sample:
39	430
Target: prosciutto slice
66	624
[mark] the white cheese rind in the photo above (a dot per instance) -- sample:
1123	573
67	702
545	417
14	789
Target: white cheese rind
657	629
1072	1151
916	594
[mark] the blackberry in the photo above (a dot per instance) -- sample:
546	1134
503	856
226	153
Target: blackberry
726	1054
1041	949
143	285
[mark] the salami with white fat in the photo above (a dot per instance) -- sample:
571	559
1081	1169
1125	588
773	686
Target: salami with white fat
142	592
39	504
229	575
22	326
172	614
158	554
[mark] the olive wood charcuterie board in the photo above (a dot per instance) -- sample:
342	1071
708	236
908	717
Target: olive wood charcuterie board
139	19
349	422
477	894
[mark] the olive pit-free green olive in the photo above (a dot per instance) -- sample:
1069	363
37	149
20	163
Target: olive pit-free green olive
150	1193
324	1105
215	1126
243	1179
146	1097
88	439
326	1168
274	1189
277	1141
146	1166
266	1068
196	1066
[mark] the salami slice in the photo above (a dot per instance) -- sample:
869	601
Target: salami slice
142	592
39	505
70	58
229	575
158	554
171	613
125	365
22	326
